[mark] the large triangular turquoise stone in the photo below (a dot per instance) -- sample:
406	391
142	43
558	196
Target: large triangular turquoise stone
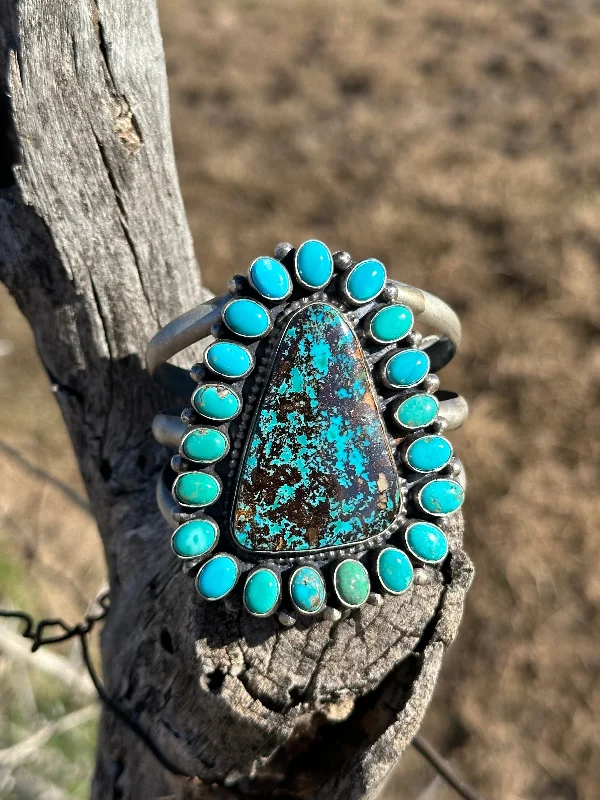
318	470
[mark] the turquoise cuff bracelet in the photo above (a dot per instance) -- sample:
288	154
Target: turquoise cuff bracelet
312	473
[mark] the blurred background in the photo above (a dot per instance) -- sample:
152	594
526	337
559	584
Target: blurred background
459	143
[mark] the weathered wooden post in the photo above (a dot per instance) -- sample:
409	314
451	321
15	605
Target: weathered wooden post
95	248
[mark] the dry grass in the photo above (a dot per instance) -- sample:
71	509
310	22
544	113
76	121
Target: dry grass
459	143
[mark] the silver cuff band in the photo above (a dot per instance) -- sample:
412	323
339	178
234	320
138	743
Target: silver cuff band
168	429
196	324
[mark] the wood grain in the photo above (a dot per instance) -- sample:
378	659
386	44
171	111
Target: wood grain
95	248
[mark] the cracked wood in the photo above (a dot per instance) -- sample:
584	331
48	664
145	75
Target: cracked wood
95	248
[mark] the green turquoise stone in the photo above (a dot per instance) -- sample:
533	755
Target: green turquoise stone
395	570
196	489
441	496
217	577
195	538
261	592
216	402
204	445
246	318
428	453
307	590
318	470
228	359
426	542
365	281
352	583
270	278
314	264
417	411
392	323
407	368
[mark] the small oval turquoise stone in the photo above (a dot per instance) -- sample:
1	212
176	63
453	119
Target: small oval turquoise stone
366	280
441	496
395	570
261	592
429	453
204	445
417	411
228	359
217	577
314	264
246	318
195	538
216	402
196	488
270	278
407	368
426	542
392	323
307	589
352	583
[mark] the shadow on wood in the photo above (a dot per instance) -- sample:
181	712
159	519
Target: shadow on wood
95	248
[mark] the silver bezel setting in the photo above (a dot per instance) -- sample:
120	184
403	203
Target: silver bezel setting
204	462
352	301
341	600
420	559
381	581
297	272
384	365
222	375
405	451
217	385
205	564
201	556
291	581
275	300
243	335
433	480
373	314
196	506
275	607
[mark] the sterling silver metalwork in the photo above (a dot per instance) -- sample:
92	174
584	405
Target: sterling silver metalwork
244	393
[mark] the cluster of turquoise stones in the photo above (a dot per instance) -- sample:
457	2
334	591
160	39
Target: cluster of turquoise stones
317	472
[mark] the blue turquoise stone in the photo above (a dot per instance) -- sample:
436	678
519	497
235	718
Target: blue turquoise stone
314	264
426	542
417	411
318	471
195	538
441	496
307	590
391	323
407	368
352	583
261	592
270	278
246	318
365	281
217	577
228	359
395	570
204	445
216	402
429	453
196	489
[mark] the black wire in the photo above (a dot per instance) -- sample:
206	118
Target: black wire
444	769
37	635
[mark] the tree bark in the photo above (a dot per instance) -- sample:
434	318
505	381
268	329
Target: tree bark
95	248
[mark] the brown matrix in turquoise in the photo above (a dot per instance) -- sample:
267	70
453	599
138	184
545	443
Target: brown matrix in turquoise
318	471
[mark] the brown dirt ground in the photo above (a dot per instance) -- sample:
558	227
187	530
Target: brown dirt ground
458	142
